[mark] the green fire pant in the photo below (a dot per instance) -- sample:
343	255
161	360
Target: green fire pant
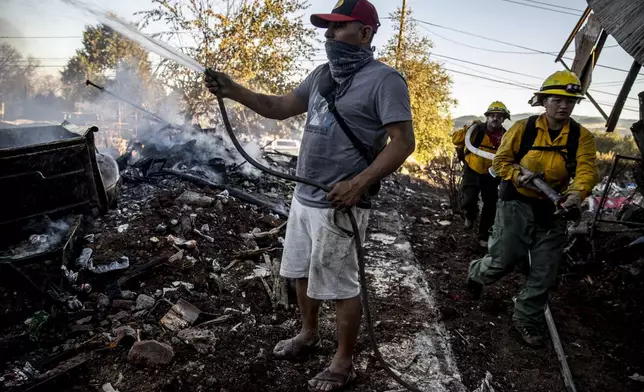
475	184
517	239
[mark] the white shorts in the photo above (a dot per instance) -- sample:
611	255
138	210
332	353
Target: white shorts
317	248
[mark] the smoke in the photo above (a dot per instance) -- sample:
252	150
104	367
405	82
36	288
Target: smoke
129	85
44	237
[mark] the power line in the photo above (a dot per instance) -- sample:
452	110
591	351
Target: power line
509	43
478	71
554	5
611	94
490	79
477	47
485	66
543	8
518	73
522	86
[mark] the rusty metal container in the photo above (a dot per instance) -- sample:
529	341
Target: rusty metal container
48	170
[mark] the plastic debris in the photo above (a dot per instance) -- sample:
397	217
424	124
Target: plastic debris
154	240
444	223
176	257
36	322
70	275
123	263
20	376
83	261
123	228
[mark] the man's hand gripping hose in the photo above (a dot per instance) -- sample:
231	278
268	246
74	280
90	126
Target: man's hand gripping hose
356	239
567	207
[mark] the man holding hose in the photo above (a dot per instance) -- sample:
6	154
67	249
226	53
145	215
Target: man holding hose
476	177
344	145
528	229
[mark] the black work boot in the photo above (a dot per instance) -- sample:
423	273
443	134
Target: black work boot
475	289
530	336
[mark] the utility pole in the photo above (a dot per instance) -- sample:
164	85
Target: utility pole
401	32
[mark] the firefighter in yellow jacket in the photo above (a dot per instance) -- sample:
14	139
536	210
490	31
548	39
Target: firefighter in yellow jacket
476	177
527	227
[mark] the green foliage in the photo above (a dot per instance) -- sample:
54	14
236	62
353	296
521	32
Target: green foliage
103	53
611	144
429	89
261	44
618	144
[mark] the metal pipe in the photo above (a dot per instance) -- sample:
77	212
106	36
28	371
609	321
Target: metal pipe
574	32
561	354
623	94
626	223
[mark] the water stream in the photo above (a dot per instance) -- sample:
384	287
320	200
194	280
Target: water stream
132	32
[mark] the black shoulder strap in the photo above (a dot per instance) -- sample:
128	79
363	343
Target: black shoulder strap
572	144
480	134
527	139
329	95
574	132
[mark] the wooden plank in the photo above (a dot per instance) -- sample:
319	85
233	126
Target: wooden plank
623	20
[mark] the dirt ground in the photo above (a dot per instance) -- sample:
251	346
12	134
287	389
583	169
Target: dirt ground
599	312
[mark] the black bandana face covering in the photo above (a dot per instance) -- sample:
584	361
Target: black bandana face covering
345	60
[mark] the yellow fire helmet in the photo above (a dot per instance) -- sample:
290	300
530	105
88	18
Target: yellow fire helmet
564	83
498	107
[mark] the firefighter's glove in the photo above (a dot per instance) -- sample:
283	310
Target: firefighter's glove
524	180
573	201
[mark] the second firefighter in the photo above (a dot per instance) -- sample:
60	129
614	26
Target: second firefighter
476	177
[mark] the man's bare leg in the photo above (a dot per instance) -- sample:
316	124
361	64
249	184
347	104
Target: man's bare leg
310	311
348	313
309	335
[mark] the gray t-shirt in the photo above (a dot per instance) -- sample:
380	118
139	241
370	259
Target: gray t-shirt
377	96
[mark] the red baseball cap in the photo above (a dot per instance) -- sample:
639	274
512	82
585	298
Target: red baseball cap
349	11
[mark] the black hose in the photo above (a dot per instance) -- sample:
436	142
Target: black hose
356	238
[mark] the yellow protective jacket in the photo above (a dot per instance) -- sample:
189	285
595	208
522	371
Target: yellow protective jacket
475	162
551	163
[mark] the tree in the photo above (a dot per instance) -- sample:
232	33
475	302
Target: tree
16	74
47	85
259	43
429	89
104	51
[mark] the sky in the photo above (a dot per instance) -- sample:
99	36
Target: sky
51	31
